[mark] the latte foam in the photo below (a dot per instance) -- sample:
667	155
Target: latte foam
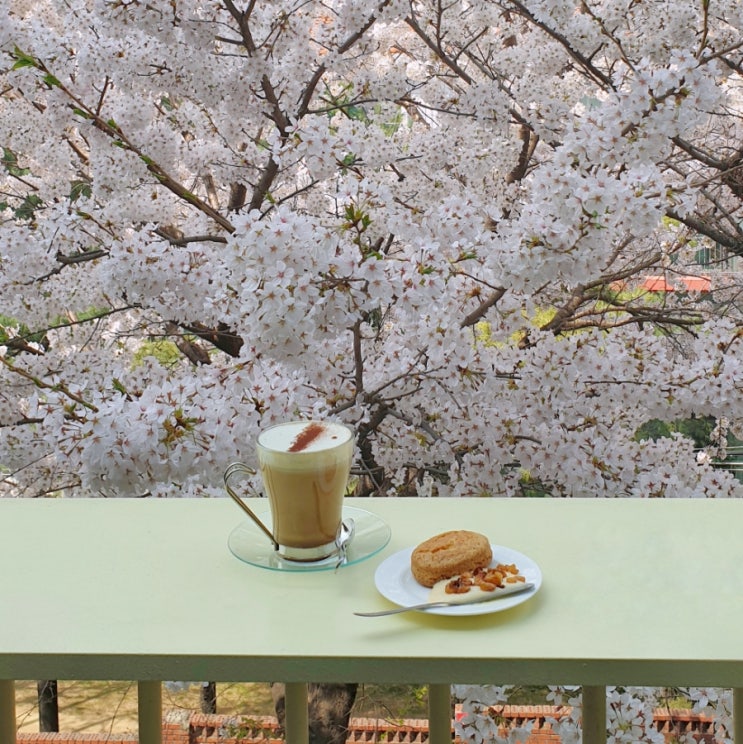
304	436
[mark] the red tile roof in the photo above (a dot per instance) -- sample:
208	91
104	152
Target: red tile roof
187	727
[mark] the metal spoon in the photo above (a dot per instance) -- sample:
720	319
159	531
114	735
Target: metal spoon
346	531
443	603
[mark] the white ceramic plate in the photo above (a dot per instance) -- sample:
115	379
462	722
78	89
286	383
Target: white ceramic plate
395	582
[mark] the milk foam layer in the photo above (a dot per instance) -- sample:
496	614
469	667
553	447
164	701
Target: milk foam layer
283	437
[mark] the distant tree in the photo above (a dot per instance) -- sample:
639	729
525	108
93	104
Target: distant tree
696	429
47	690
208	697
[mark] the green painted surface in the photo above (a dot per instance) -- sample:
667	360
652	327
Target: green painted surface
150	709
635	592
7	711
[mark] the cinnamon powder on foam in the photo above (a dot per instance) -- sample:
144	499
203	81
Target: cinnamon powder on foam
306	437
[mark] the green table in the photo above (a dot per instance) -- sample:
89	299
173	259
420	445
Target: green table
635	593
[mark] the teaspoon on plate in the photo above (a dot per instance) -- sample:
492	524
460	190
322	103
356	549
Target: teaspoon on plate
483	597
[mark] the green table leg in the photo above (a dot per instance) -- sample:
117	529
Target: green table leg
738	715
7	710
439	714
150	710
594	715
296	724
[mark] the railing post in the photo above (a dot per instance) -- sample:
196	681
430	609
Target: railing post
150	712
296	723
7	711
738	715
594	715
439	714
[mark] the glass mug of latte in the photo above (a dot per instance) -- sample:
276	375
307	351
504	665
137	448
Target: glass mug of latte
304	466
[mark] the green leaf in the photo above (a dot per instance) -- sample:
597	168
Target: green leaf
22	63
10	163
119	386
356	113
78	189
51	81
23	59
30	204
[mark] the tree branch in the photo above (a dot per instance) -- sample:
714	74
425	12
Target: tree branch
57	387
115	132
478	313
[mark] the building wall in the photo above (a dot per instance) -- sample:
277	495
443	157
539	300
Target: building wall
187	727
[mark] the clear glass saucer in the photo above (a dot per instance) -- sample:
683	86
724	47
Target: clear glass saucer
248	543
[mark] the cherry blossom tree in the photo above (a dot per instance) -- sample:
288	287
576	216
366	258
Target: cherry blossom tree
428	220
431	220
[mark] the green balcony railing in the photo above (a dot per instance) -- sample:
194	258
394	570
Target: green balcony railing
634	592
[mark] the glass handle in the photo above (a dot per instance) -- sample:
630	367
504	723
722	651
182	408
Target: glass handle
238	467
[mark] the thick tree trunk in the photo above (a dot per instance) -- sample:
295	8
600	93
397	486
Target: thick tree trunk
329	710
209	697
48	705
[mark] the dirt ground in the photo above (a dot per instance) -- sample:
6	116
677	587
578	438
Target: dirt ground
111	706
93	707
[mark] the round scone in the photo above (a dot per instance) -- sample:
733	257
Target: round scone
449	554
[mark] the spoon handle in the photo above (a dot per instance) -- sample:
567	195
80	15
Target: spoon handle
424	606
346	533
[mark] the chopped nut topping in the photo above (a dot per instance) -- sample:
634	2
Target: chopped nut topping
486	579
